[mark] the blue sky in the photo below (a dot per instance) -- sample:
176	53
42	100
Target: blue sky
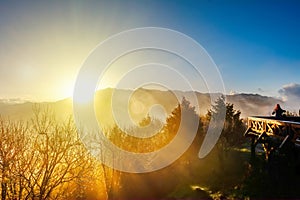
255	44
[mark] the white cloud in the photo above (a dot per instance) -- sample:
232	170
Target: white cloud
13	101
290	94
232	92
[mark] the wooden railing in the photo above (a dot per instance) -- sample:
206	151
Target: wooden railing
265	129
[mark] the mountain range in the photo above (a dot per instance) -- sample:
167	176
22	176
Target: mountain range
139	103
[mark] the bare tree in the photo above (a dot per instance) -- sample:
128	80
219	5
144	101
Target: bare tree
12	145
57	156
42	160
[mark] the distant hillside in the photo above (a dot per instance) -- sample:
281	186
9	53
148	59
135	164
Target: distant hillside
139	104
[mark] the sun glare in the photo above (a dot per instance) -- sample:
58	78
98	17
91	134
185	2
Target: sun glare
66	91
82	98
84	93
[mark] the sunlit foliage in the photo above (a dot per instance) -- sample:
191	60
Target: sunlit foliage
42	159
45	159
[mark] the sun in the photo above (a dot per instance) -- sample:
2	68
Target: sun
67	92
85	92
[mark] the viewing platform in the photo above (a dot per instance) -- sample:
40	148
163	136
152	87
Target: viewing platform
273	133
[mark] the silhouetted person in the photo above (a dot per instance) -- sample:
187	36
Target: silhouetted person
278	111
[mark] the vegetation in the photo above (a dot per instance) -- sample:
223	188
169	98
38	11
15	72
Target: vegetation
44	159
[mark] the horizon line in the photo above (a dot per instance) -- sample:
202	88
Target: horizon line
20	100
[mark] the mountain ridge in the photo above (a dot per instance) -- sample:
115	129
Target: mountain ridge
143	99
